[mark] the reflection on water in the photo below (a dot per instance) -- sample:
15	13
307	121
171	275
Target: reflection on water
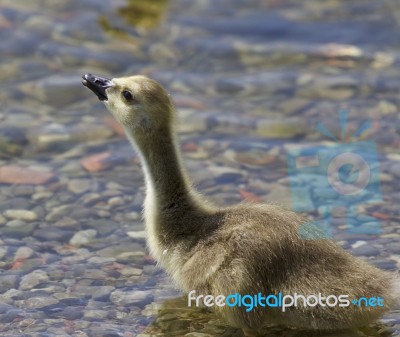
203	320
140	14
251	80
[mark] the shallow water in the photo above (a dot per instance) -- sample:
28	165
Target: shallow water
253	82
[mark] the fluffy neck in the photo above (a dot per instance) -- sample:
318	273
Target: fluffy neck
167	185
171	206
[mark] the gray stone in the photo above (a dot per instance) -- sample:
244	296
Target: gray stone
94	274
56	274
95	315
133	297
68	299
23	190
3	252
67	223
8	282
20	214
69	313
293	105
23	253
332	87
59	136
80	333
130	271
41	196
39	302
385	264
80	213
83	237
11	294
395	169
58	212
103	226
33	279
79	186
116	201
366	250
15	203
31	264
104	331
138	235
53	288
131	257
91	199
57	90
15	223
78	270
52	234
114	251
102	293
393	247
40	211
5	307
150	269
101	260
132	216
17	229
12	315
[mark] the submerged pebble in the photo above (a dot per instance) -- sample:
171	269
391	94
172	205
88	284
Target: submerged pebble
33	279
83	237
20	214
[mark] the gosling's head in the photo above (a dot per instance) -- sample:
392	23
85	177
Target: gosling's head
139	103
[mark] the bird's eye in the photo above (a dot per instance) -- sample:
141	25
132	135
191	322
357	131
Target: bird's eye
127	95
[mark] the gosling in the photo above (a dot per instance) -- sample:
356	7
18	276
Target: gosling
244	249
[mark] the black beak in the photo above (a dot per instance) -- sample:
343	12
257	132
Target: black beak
97	84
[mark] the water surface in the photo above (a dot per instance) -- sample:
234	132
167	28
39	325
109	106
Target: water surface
251	80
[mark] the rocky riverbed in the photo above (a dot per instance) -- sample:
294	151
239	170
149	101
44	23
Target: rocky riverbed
253	82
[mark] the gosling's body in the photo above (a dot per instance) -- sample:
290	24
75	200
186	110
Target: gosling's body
246	249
